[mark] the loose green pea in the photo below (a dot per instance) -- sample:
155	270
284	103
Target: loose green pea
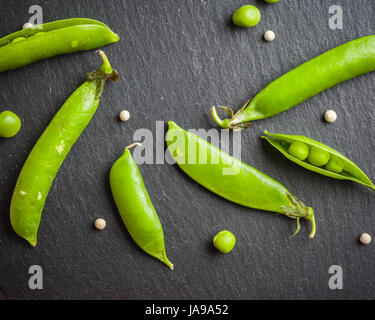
299	150
246	16
10	124
271	1
224	241
335	165
318	157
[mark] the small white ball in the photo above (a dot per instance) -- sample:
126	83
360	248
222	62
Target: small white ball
27	25
100	224
124	115
330	116
365	238
269	36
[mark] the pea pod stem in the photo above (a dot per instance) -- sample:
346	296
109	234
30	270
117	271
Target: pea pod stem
135	144
221	123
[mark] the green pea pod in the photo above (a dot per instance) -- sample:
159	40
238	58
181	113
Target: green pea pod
343	63
350	171
135	207
232	179
50	39
48	154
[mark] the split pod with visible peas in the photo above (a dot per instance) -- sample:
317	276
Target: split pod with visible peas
51	39
316	156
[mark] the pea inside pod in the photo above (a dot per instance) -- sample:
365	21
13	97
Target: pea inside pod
321	158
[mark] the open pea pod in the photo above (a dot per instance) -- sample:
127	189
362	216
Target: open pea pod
350	171
51	39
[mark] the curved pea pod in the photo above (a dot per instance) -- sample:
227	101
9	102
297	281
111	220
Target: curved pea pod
350	170
335	66
51	149
232	179
51	39
135	207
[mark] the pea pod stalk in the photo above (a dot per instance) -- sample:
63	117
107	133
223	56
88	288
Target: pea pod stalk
50	151
136	208
47	40
343	63
245	185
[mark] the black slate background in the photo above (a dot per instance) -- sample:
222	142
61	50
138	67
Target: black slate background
177	58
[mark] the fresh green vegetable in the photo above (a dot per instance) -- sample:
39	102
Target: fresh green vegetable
10	124
318	157
246	16
224	241
135	207
232	179
325	71
299	150
48	154
338	167
271	1
335	165
50	39
19	39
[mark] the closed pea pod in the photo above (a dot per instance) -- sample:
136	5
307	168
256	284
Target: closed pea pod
50	151
135	207
340	64
325	160
50	39
10	124
242	184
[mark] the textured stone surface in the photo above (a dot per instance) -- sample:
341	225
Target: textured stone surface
176	59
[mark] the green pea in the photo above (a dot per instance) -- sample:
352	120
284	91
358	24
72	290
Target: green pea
224	241
299	150
10	124
335	165
19	39
271	1
318	157
246	16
